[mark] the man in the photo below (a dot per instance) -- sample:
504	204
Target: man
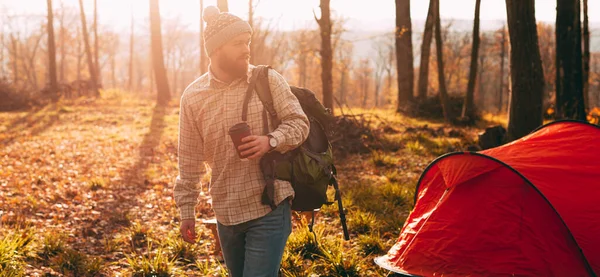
252	235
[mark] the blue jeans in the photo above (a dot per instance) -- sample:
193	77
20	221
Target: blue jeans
255	248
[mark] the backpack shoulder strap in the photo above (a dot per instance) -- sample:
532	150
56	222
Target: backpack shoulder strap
249	91
263	89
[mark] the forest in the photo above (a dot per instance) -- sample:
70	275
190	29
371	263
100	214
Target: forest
89	117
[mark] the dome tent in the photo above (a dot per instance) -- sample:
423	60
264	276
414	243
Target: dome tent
527	208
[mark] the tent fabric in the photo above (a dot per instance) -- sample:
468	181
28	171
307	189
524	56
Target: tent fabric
527	208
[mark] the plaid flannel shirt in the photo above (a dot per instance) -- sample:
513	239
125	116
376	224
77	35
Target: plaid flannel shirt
208	108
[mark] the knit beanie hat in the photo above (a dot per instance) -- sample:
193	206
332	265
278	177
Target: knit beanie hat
221	27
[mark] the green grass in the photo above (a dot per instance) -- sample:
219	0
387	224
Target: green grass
381	159
209	268
77	263
304	243
183	252
138	235
370	244
95	184
362	222
13	251
53	244
336	262
154	262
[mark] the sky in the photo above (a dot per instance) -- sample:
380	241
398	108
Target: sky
290	14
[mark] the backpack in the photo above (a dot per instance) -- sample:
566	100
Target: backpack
309	168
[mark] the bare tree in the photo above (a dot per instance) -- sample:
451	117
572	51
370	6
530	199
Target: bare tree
440	62
52	53
326	54
14	57
203	57
96	48
569	69
527	77
158	65
586	54
383	64
481	95
425	52
251	23
344	63
468	111
502	58
90	61
62	42
131	43
222	5
363	76
404	53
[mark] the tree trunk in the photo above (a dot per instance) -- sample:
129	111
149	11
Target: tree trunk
88	52
15	59
440	61
343	86
203	65
131	43
468	111
79	54
113	65
62	43
96	48
52	53
569	68
502	57
404	53
251	23
480	87
222	5
162	84
526	73
425	52
586	55
326	54
2	63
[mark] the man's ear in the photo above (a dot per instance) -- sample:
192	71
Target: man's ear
215	53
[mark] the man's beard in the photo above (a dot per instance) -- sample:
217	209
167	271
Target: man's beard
237	67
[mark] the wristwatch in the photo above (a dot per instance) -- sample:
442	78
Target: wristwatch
272	142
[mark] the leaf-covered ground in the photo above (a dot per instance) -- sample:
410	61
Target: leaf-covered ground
86	190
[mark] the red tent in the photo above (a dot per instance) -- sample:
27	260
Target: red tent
527	208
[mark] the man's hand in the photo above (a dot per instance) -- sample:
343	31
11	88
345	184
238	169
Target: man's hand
188	230
254	147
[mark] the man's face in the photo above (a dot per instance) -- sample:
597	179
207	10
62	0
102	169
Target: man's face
234	55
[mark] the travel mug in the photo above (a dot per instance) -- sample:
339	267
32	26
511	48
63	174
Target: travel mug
237	133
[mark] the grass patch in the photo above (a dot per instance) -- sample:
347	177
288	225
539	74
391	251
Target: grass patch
381	159
303	242
210	268
53	244
415	147
155	263
13	250
138	235
95	184
361	222
77	263
370	244
181	250
337	262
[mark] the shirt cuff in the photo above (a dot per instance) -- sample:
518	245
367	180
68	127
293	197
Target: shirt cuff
278	135
187	212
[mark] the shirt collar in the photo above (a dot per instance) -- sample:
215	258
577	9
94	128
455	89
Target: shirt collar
214	81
